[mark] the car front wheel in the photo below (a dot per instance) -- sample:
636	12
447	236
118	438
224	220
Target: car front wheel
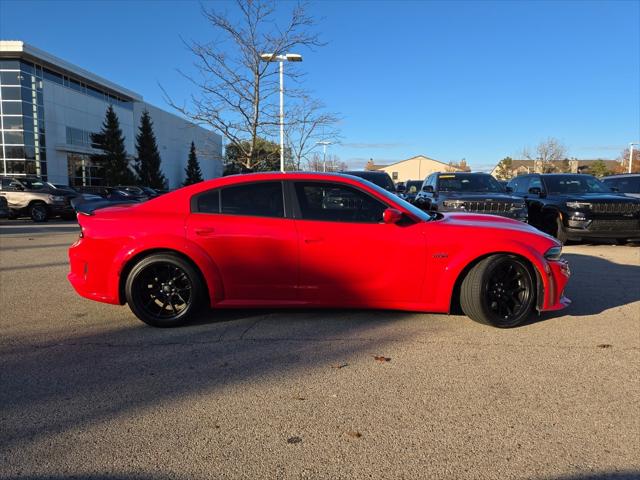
499	291
164	290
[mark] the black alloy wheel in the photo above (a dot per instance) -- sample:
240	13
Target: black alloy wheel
163	290
499	291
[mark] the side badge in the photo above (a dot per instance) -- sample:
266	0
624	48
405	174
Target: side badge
441	255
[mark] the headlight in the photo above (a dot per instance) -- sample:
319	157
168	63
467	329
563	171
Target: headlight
554	253
453	204
56	198
517	206
578	205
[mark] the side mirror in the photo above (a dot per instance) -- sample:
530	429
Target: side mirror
535	191
428	189
614	189
391	215
508	189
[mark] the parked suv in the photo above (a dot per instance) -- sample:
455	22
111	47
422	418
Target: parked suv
628	183
411	190
469	192
577	206
381	179
30	196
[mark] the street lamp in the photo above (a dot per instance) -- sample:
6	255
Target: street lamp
631	145
324	144
289	57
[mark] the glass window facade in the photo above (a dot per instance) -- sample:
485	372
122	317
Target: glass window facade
84	171
22	133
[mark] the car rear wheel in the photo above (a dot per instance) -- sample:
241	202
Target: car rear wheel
38	212
498	291
163	290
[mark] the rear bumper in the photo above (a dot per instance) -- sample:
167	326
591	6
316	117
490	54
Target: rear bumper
85	278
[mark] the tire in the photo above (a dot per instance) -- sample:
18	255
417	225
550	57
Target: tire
560	233
38	212
160	281
68	216
485	298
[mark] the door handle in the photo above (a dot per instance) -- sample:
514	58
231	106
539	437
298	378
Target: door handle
203	232
313	240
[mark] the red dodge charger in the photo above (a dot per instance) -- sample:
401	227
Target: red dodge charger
311	240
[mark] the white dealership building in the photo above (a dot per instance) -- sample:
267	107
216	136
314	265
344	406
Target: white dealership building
49	108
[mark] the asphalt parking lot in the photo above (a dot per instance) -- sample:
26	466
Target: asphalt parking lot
87	391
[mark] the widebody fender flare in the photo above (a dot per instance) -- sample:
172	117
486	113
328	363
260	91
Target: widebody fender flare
167	243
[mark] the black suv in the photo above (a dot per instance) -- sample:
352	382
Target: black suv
577	206
381	179
469	192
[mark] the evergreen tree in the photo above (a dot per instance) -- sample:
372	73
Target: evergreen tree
504	170
113	159
192	172
147	163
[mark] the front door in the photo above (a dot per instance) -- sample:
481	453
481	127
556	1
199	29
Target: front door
348	256
244	230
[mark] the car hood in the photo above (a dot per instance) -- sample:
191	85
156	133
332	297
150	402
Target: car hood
478	220
594	197
481	196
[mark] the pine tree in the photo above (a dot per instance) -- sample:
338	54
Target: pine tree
192	172
147	163
113	159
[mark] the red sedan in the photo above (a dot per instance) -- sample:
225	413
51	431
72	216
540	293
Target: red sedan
311	240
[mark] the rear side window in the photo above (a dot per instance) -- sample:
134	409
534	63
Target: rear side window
260	199
208	202
332	202
263	199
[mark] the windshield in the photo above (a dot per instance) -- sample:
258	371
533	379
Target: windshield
456	182
421	214
413	186
575	184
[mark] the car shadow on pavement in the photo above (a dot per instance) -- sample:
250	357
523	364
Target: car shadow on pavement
597	285
128	370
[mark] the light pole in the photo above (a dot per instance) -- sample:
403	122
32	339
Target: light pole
324	144
289	57
631	145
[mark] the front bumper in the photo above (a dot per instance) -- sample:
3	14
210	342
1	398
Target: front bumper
605	228
558	274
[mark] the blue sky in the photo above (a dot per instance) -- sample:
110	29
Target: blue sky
451	80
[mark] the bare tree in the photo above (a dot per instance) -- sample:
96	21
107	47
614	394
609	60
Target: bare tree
548	153
307	123
316	163
236	88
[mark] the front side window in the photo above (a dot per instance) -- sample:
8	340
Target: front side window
523	185
332	202
261	199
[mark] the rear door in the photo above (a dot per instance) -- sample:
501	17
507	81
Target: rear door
348	256
245	231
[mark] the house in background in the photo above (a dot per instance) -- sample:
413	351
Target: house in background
573	165
414	168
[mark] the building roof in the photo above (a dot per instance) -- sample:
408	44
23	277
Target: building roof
20	49
378	167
